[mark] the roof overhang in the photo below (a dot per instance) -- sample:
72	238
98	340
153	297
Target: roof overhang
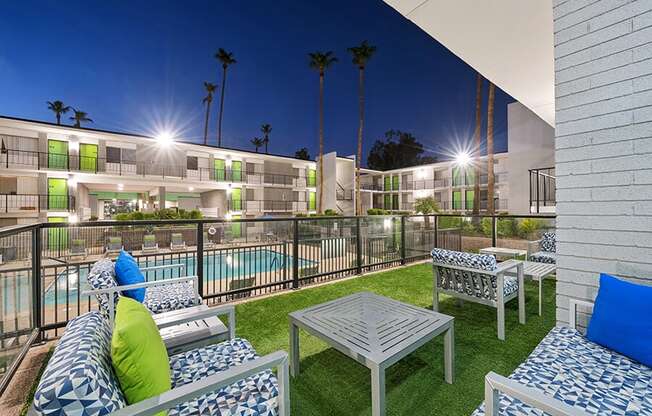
510	42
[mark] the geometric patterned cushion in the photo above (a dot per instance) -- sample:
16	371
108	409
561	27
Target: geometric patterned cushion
544	257
570	368
102	276
170	297
252	396
79	379
462	259
548	242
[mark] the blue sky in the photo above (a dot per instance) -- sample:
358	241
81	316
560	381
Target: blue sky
139	66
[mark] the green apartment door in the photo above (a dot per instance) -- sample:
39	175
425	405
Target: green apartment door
57	237
236	199
312	202
457	199
57	154
220	173
236	228
312	178
88	157
57	194
236	171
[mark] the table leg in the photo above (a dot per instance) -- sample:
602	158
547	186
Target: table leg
294	350
377	391
540	294
449	354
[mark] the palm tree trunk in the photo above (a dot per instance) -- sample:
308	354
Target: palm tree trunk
219	121
358	159
490	149
321	143
208	112
58	118
266	142
477	143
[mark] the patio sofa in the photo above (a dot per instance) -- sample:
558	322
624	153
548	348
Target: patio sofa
228	378
478	278
161	295
567	374
543	250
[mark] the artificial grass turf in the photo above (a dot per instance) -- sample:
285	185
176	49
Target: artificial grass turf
333	384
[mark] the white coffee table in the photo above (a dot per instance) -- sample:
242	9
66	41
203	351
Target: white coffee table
503	252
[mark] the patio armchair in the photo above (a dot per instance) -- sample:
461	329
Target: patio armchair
149	243
162	295
222	379
177	242
78	248
543	250
113	245
566	375
478	278
208	244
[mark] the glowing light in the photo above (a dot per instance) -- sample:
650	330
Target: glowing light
421	174
387	223
114	200
72	181
164	138
73	219
228	216
228	162
462	159
121	187
134	201
229	260
74	146
190	188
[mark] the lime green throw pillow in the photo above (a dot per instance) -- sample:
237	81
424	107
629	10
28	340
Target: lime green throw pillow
138	353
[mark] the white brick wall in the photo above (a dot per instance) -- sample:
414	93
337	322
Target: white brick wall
603	88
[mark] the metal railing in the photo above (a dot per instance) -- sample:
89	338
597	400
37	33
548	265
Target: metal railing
543	186
267	205
36	203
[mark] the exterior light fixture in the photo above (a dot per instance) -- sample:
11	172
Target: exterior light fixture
387	223
190	188
228	216
73	145
121	187
462	159
73	219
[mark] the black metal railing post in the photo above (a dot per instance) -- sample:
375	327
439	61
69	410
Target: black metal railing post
36	278
403	222
437	231
199	264
358	245
493	231
295	255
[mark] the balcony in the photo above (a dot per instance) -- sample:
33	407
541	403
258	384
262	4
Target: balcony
261	206
543	187
25	203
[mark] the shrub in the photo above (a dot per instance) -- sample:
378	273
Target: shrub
528	226
377	211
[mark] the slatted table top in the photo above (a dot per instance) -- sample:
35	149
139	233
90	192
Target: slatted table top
536	269
373	327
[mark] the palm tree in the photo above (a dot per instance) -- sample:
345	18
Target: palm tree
477	143
302	154
320	61
490	149
210	89
266	129
361	54
58	108
226	58
257	142
80	117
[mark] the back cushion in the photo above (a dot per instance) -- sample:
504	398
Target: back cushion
79	378
548	243
102	276
462	259
127	272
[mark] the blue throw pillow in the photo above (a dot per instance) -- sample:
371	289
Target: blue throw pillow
128	273
621	318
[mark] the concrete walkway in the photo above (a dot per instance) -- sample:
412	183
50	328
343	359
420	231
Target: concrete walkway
11	402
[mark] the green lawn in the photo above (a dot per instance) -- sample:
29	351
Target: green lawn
333	384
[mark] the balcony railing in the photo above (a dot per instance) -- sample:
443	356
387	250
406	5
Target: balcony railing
35	203
543	186
260	206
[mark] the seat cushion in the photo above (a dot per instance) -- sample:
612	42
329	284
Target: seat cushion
462	259
252	396
165	298
544	257
102	276
548	242
569	367
79	379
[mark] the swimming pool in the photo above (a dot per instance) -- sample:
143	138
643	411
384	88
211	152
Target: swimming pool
217	266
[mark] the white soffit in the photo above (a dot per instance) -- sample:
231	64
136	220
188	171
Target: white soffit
510	42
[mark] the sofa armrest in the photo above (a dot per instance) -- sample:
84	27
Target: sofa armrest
572	310
164	321
494	384
151	283
182	394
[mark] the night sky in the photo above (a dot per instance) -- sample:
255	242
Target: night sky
139	67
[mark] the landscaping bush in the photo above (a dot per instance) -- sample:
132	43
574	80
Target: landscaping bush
377	211
528	226
163	214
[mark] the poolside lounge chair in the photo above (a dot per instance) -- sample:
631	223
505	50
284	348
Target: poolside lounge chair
208	243
478	278
222	379
567	374
149	243
114	245
543	250
177	242
78	248
243	283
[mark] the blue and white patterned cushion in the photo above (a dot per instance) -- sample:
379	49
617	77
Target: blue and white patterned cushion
252	396
548	243
79	379
170	297
102	276
569	367
462	259
544	257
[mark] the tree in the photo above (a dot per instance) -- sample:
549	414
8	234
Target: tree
477	143
426	206
302	154
361	54
80	117
266	129
321	61
210	89
397	150
58	108
490	149
257	142
226	58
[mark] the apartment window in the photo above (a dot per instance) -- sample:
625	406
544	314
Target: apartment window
250	168
470	176
236	171
395	183
457	176
312	177
192	163
457	199
251	195
395	202
112	154
129	156
470	197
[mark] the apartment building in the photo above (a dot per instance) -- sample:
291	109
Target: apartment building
60	173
